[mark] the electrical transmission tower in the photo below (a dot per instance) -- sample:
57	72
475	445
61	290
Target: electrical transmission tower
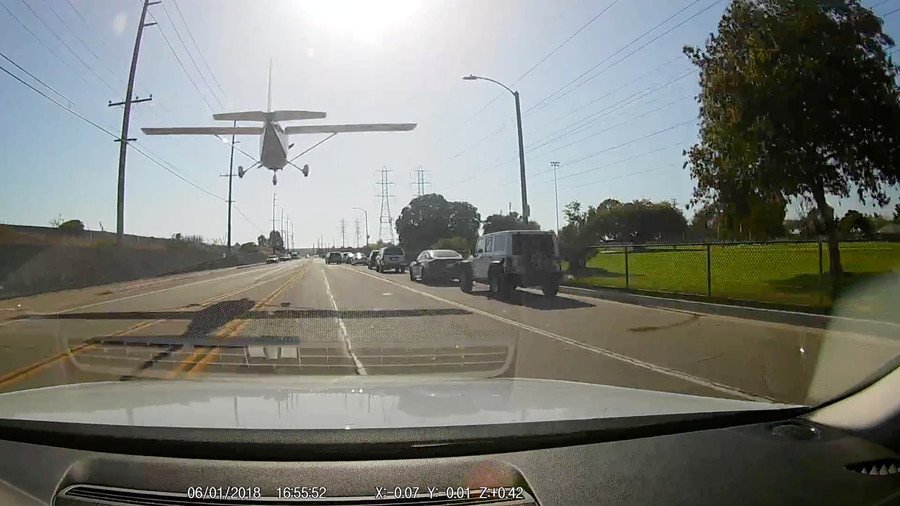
343	228
357	231
420	181
386	221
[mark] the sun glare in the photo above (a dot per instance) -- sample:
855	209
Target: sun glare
366	20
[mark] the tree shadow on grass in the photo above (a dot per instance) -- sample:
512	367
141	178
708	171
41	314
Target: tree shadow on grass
859	294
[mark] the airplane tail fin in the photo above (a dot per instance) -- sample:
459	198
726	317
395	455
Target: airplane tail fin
269	102
268	116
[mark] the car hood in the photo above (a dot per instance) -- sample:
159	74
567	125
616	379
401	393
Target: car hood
347	403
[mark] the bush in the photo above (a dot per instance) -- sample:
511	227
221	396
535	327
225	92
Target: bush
71	227
249	247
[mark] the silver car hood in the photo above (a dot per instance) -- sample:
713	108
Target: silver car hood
347	403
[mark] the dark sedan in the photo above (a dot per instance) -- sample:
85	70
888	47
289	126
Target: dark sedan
435	265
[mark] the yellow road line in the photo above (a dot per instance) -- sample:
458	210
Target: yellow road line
198	361
28	370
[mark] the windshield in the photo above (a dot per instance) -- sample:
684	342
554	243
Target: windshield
673	196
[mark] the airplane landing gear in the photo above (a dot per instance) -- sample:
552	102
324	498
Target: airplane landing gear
274	179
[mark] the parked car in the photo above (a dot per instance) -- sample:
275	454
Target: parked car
513	258
360	259
373	258
272	259
391	257
333	257
435	265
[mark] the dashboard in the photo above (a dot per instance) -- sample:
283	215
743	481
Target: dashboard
769	461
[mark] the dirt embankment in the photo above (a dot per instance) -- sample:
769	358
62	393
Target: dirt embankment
40	259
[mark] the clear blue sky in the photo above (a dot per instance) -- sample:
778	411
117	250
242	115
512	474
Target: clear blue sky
399	61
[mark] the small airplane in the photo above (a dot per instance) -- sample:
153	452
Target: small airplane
273	138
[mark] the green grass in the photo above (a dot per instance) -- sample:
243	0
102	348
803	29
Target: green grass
778	273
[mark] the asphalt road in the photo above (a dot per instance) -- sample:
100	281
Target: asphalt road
305	318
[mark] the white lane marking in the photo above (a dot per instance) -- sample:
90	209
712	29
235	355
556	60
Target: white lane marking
601	351
344	334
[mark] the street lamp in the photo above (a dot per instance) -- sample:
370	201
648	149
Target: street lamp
366	218
525	210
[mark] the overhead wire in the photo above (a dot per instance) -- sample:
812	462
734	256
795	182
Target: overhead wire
29	74
553	96
181	64
541	61
96	125
190	56
64	44
199	51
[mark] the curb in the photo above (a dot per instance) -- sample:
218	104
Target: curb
788	317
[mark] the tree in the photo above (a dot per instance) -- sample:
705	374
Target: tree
896	213
275	241
431	217
262	241
511	221
71	227
797	99
459	244
855	224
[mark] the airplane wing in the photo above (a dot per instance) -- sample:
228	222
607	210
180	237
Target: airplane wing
203	131
338	129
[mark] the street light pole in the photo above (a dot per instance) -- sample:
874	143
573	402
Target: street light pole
525	210
555	166
365	217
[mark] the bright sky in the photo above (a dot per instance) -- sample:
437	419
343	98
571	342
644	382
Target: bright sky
361	62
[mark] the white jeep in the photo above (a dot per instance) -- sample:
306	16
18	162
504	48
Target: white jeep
513	258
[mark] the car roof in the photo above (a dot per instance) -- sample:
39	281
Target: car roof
530	232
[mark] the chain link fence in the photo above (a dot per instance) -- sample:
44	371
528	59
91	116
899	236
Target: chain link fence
783	272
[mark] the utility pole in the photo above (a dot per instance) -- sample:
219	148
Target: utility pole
343	233
420	183
366	218
230	177
357	231
274	198
555	166
281	228
126	118
386	220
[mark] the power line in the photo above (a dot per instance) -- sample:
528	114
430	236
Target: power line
623	160
45	85
557	48
628	174
579	125
542	60
77	57
202	58
621	145
40	41
673	102
77	37
258	228
886	14
190	56
549	98
112	134
180	64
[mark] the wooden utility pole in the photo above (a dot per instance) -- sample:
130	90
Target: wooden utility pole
126	117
